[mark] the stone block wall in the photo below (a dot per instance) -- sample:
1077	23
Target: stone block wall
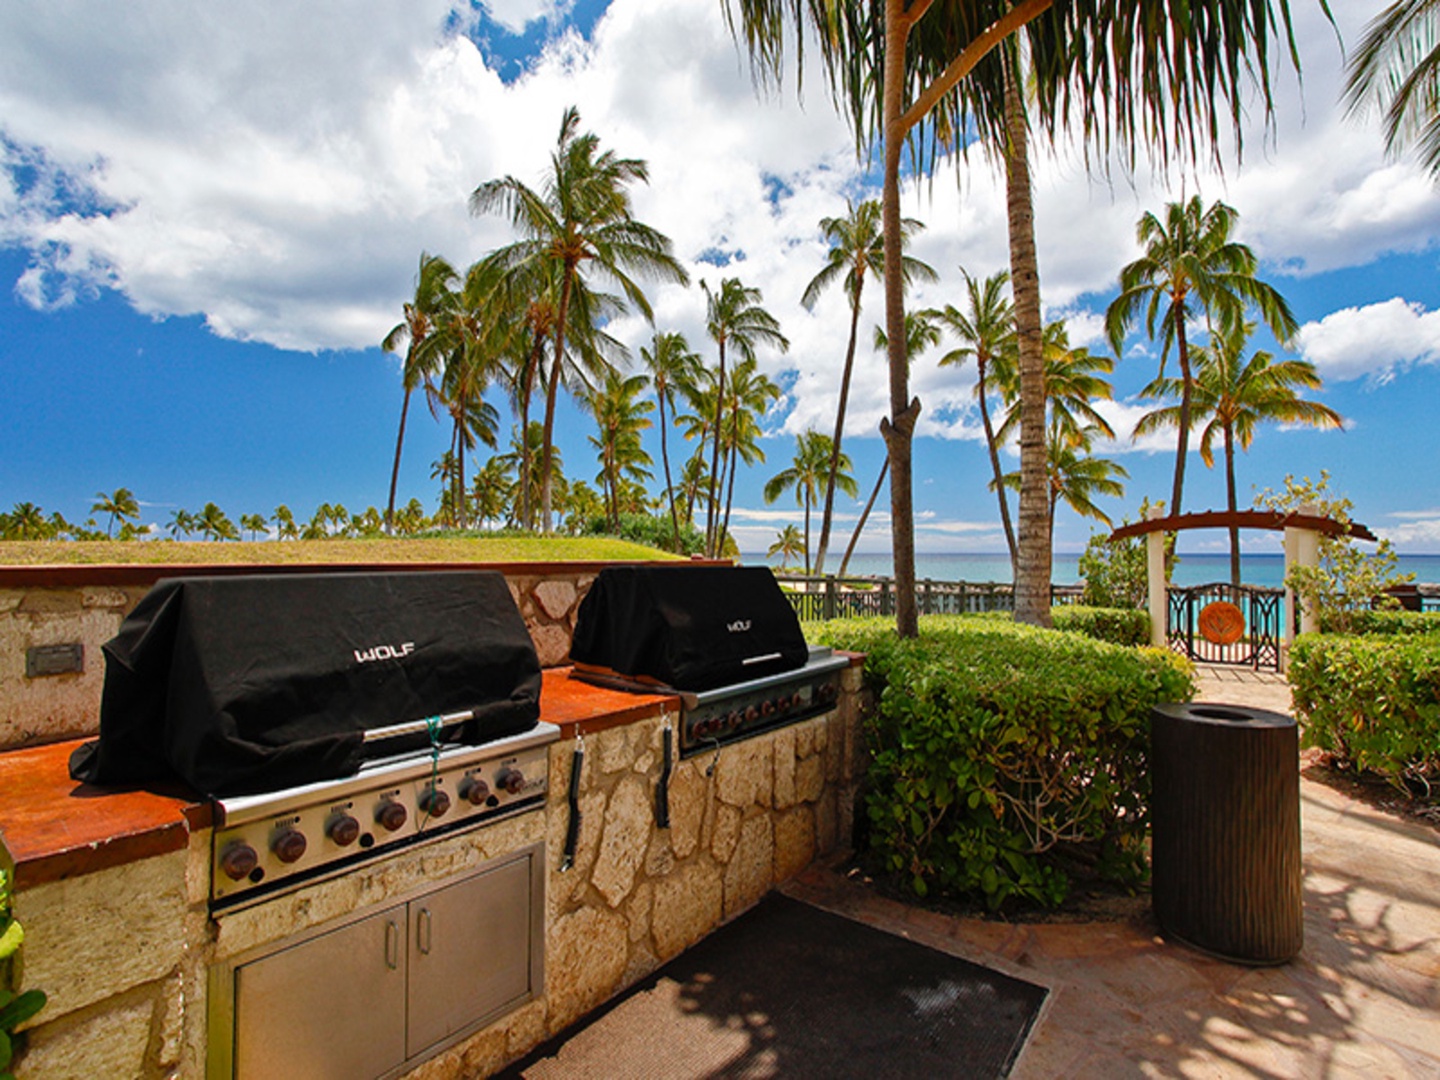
120	955
55	707
51	708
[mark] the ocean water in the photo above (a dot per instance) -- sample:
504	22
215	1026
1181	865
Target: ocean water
1263	569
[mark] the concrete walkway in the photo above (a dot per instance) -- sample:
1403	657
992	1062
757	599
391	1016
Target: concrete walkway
1361	1000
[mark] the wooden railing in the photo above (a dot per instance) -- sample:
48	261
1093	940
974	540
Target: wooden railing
817	599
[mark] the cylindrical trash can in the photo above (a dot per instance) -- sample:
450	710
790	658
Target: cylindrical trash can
1225	830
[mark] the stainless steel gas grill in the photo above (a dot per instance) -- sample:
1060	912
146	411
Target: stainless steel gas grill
711	718
724	639
340	722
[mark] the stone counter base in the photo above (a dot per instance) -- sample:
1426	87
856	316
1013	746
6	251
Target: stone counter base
124	952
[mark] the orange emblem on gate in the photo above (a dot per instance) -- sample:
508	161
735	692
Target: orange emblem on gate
1222	623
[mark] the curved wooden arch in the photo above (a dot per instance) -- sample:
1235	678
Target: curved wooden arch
1244	519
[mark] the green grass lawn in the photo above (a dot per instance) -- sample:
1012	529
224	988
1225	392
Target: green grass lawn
418	550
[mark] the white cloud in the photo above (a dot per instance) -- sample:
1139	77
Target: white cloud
278	169
1376	341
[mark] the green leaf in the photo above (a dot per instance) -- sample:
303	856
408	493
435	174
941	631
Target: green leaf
11	940
21	1009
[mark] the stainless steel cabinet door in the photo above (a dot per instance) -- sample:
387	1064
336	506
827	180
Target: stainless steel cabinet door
332	1006
470	952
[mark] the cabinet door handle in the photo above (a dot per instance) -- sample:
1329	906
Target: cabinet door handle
422	931
392	945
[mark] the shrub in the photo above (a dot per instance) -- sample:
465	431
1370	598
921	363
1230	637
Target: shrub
1116	573
1373	702
15	1008
1119	626
1346	583
1002	753
652	530
1384	622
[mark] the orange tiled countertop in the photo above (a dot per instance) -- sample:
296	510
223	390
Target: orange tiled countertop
52	827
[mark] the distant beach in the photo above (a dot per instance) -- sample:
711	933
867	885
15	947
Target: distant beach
1264	569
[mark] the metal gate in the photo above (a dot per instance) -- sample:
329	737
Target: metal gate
1222	623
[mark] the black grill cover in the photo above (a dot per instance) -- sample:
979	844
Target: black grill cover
690	627
249	684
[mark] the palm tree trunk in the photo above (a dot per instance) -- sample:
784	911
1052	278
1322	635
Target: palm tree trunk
537	357
395	469
839	431
460	470
711	542
864	516
1230	504
995	468
807	532
1182	349
899	428
732	468
669	484
1032	568
547	444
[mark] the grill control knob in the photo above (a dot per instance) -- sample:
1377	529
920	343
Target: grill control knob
474	790
735	718
238	860
752	714
797	699
767	707
289	845
391	815
510	780
826	692
434	802
344	830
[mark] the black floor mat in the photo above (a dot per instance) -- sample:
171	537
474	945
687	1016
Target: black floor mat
789	990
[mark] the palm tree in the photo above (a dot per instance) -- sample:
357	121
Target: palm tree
433	284
1074	476
284	519
1232	397
214	524
120	506
26	521
254	524
475	331
1190	267
673	367
750	394
491	490
1073	378
1144	77
621	419
733	317
1396	68
581	222
182	523
411	519
806	475
857	248
921	333
986	331
788	544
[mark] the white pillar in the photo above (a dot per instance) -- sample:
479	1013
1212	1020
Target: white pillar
1155	577
1302	548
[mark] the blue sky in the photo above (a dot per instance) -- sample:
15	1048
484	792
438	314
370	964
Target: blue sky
208	224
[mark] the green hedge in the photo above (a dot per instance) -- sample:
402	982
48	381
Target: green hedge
1002	753
1386	622
1119	626
1373	701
